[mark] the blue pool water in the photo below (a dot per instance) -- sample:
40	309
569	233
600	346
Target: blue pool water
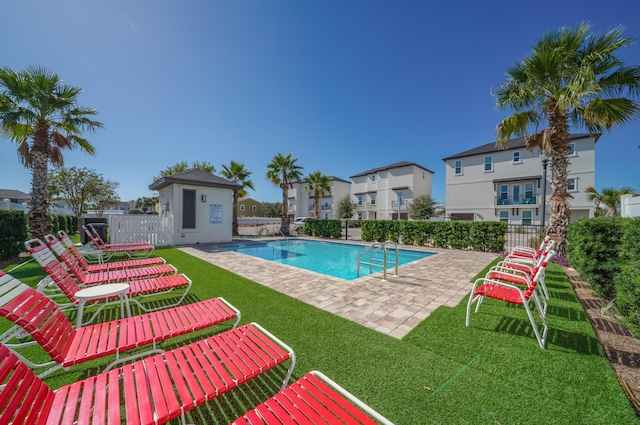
334	259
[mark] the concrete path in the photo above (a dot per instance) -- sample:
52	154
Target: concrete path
393	307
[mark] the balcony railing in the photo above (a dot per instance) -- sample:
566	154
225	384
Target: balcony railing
325	207
517	200
405	204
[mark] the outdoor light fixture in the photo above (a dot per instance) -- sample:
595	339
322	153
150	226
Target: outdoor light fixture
203	197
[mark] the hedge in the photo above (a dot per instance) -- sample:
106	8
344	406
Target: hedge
606	253
14	232
478	235
323	228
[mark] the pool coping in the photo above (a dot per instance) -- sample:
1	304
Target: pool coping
393	307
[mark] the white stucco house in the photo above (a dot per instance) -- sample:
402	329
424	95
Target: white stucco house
302	203
201	206
511	184
384	193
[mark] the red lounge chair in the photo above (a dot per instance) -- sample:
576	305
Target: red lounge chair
102	267
153	390
500	290
133	250
313	399
143	287
38	315
515	272
86	278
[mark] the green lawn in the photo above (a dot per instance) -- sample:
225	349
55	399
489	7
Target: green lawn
441	373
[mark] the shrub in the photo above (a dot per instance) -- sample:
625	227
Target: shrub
14	230
323	228
480	235
593	249
627	282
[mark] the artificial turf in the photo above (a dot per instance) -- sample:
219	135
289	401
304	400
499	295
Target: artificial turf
442	372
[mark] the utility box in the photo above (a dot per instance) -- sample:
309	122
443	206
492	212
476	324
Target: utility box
99	223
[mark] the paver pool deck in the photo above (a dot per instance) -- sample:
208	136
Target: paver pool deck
394	306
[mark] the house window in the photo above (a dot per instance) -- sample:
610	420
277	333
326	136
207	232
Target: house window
326	216
359	216
516	156
373	178
528	193
572	148
571	184
488	163
424	175
373	199
516	194
526	218
254	208
188	209
241	207
504	216
359	199
399	193
504	194
458	167
292	202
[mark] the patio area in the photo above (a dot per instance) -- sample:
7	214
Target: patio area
393	307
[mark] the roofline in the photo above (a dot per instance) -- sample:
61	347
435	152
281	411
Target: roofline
391	167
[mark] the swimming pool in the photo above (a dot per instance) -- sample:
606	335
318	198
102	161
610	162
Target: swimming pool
330	258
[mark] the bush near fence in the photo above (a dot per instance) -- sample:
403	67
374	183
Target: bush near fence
14	231
323	228
478	235
606	253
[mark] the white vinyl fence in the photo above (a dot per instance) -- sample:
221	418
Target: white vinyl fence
154	229
630	206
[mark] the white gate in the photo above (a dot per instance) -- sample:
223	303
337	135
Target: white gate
154	229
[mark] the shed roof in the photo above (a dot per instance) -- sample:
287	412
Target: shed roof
194	177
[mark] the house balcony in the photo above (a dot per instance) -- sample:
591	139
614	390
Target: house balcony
368	206
325	207
403	206
520	201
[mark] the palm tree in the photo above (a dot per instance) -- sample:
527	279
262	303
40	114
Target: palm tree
281	171
36	108
320	185
236	172
571	77
609	197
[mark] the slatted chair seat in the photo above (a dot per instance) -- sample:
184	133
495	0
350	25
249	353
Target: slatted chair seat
66	242
313	399
45	254
153	390
137	288
521	295
67	346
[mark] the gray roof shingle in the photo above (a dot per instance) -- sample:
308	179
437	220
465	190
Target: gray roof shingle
196	177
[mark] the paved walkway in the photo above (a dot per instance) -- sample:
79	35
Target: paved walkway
393	307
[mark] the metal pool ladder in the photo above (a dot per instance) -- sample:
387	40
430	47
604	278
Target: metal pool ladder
376	262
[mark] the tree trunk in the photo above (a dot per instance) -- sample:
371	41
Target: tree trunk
234	228
317	209
284	218
39	214
560	208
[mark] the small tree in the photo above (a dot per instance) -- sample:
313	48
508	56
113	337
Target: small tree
75	186
422	208
104	196
610	197
319	185
345	208
271	209
179	167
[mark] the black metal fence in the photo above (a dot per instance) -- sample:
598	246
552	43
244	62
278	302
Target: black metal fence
523	235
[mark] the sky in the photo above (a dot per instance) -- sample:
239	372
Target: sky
343	85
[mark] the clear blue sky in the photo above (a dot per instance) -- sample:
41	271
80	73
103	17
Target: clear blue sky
343	85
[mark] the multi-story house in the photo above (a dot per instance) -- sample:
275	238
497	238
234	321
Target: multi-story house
302	203
248	207
387	192
513	185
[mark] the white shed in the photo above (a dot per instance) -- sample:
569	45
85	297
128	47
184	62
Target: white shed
201	205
